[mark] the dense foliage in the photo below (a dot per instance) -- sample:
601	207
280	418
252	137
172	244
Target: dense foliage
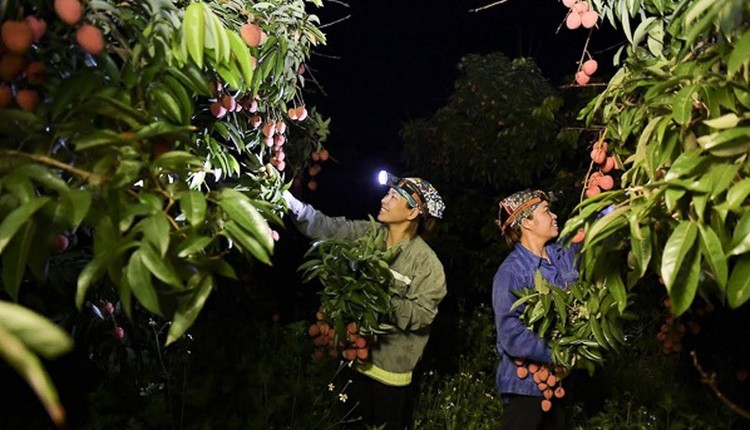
674	114
151	136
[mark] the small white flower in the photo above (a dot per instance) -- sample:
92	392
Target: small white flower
343	397
331	387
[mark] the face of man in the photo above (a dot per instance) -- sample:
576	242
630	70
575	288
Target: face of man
543	223
395	209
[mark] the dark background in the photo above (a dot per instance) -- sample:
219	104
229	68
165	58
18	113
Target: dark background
393	61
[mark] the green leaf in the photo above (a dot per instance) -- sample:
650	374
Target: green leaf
222	46
740	54
616	287
76	204
605	226
156	230
240	209
738	193
682	105
15	257
193	206
192	245
729	120
43	176
91	273
246	241
741	238
640	243
727	143
30	368
13	222
98	138
194	31
127	173
176	160
738	286
158	266
138	280
231	73
160	128
686	163
714	254
188	310
36	332
244	59
680	242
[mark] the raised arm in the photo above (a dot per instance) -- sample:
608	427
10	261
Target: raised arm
317	225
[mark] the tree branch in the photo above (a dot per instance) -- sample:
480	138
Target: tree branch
710	380
488	6
43	159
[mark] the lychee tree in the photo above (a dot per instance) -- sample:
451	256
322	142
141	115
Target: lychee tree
674	116
152	133
674	119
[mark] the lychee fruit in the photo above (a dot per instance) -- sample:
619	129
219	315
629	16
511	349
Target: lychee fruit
17	36
6	95
251	34
38	27
27	99
69	11
218	110
582	78
90	38
588	19
589	67
573	20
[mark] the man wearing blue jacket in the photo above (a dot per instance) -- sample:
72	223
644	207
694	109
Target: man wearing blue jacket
528	225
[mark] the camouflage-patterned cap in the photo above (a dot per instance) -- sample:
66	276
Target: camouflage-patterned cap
422	195
519	206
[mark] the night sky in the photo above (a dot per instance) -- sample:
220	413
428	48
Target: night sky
393	61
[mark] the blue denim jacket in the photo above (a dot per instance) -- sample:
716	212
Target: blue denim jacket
513	338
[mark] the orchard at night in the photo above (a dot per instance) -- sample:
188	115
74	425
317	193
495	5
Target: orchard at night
315	214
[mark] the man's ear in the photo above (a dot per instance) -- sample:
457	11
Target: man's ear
524	223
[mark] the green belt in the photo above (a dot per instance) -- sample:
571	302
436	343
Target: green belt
384	376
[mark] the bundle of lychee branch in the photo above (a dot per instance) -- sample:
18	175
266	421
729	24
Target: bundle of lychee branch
580	324
356	296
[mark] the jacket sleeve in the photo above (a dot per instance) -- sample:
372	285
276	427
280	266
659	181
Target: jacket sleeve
418	306
316	225
512	335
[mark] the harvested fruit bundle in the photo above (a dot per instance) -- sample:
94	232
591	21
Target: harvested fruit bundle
548	381
579	323
356	295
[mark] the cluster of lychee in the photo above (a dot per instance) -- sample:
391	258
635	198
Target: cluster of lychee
600	180
317	157
18	72
579	14
118	332
671	332
546	380
588	68
351	346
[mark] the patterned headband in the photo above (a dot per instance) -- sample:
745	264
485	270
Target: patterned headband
422	195
519	206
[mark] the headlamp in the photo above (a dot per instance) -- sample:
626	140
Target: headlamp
385	178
